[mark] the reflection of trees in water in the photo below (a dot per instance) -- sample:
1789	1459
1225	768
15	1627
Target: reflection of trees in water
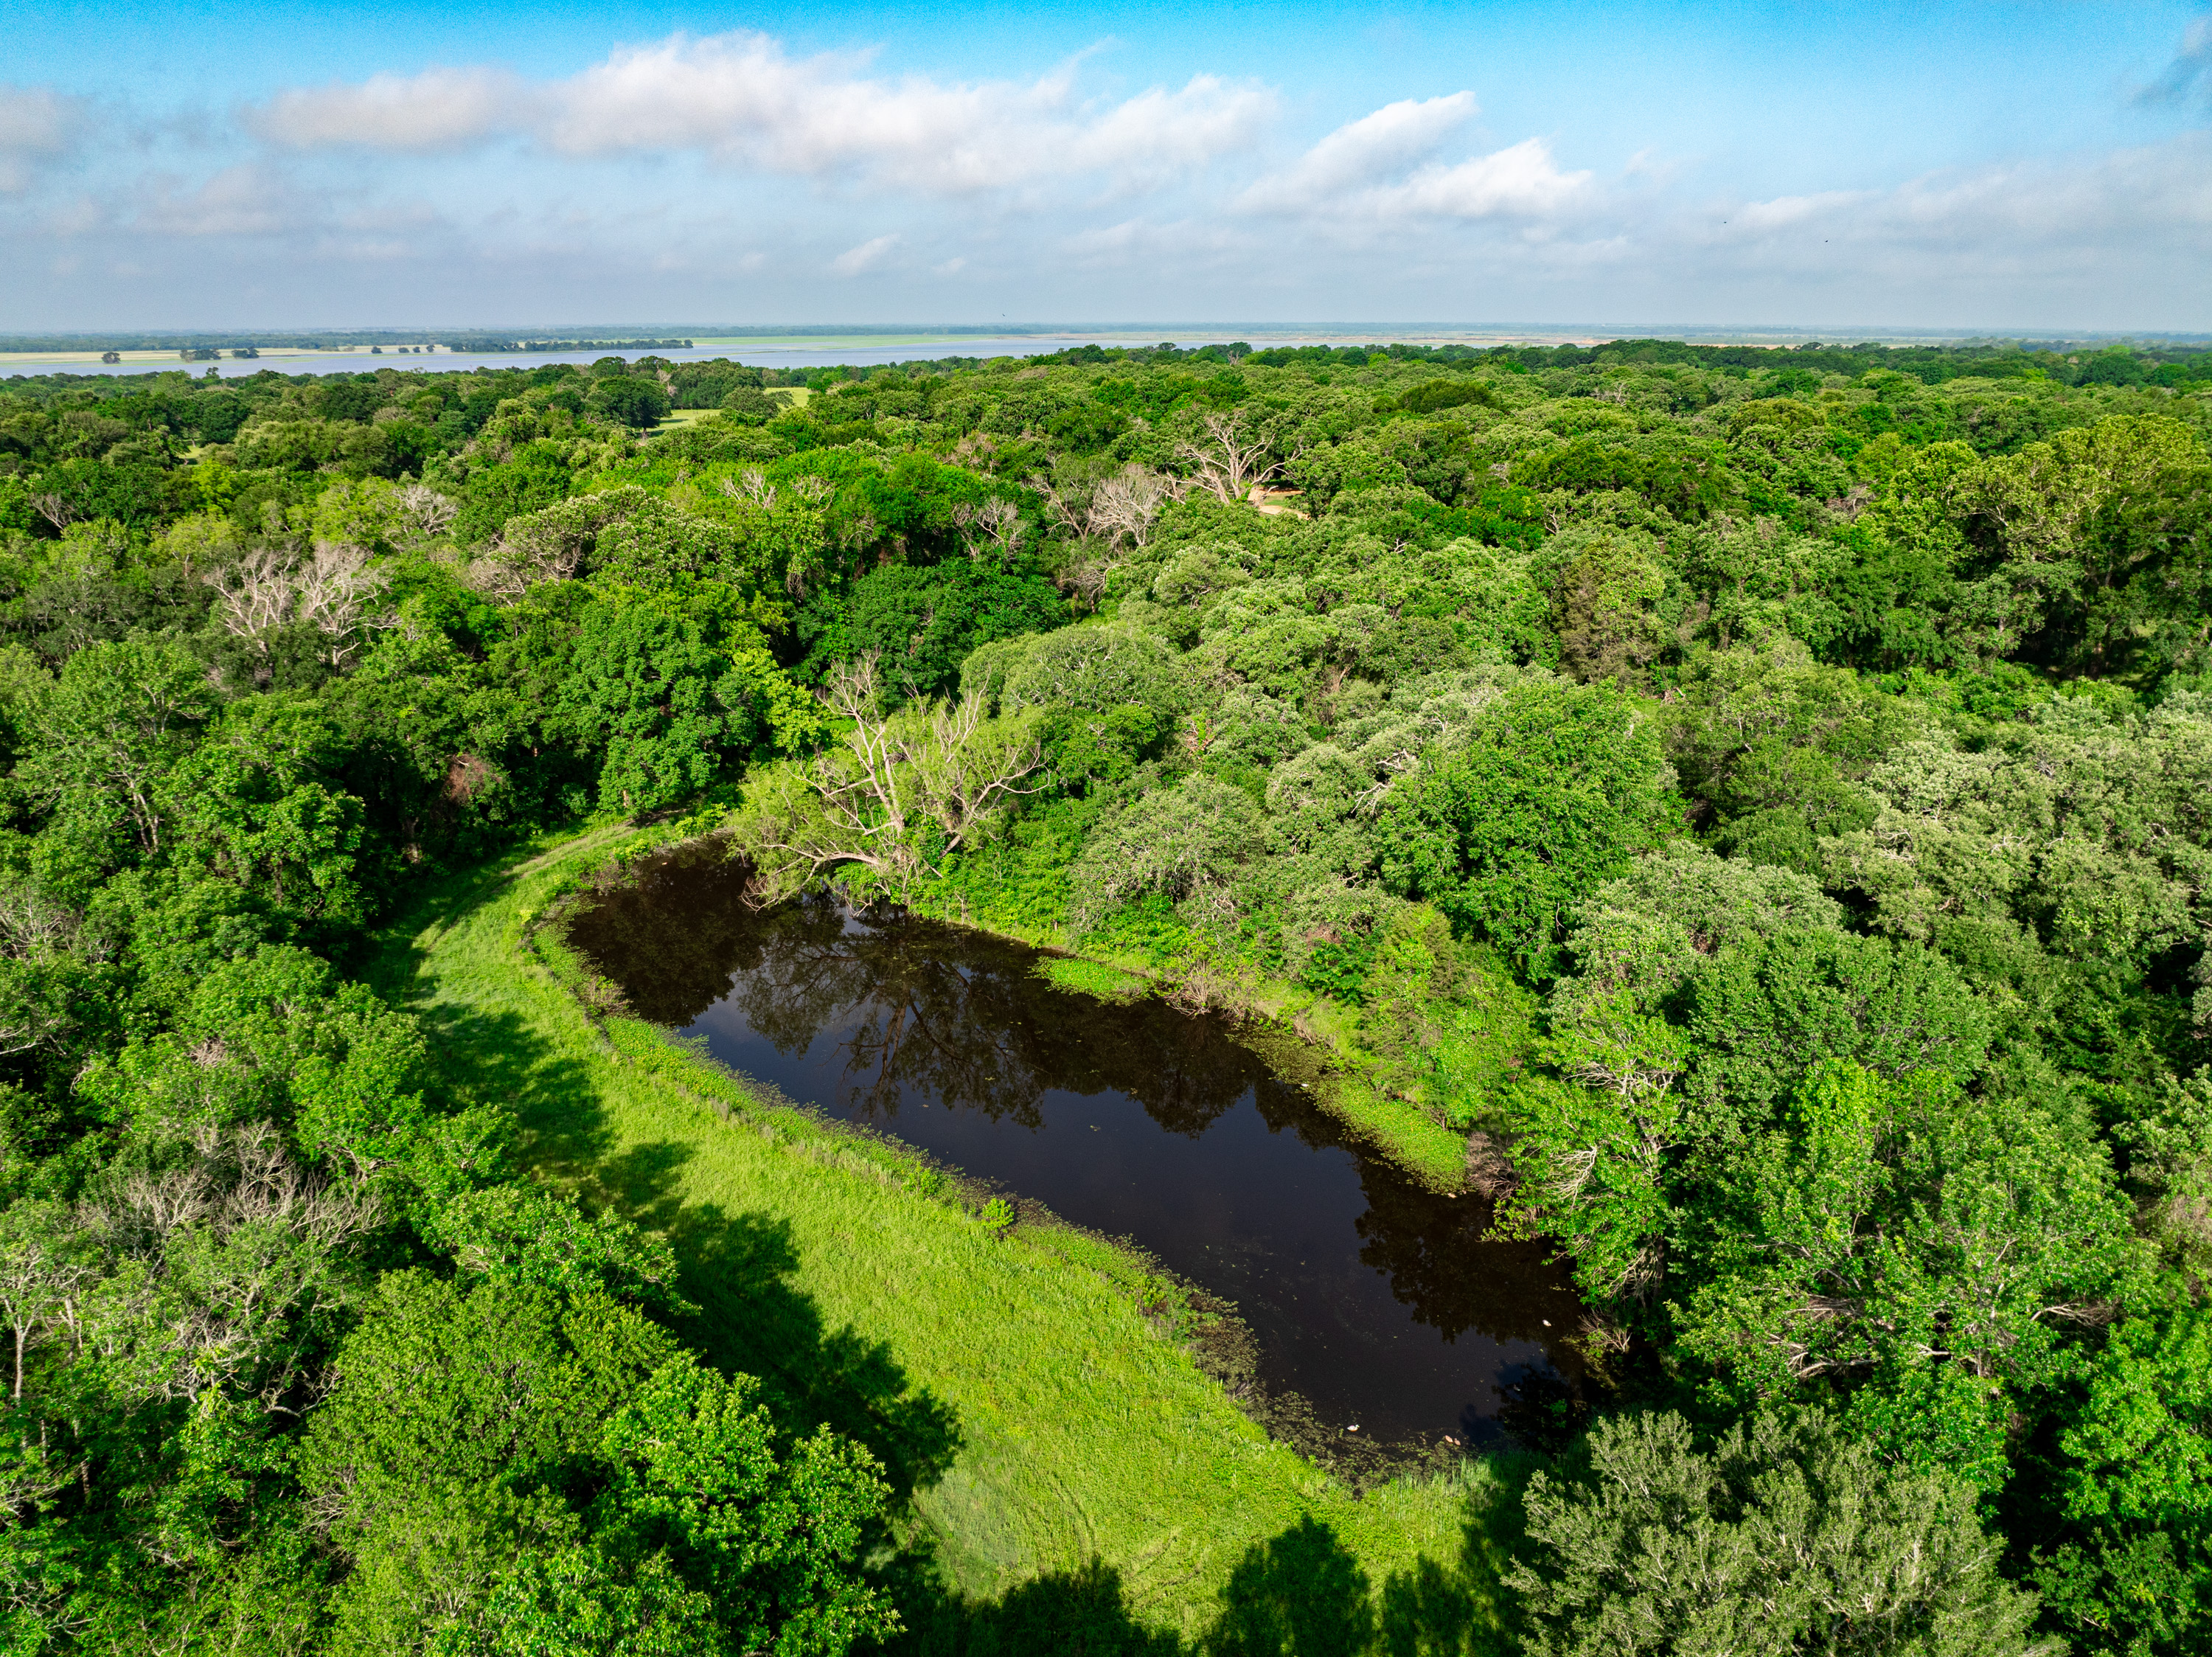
958	1018
950	1015
669	934
1434	1248
1435	1253
964	1019
910	1014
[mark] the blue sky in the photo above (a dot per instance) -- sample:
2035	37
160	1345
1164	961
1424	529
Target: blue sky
2008	167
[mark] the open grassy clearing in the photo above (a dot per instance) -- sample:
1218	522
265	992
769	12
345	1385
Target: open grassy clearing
677	419
1012	1384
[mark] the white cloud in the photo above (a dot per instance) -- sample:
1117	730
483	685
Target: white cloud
866	257
739	100
239	201
2037	218
1520	182
1381	168
1392	139
37	126
1158	132
440	109
1151	202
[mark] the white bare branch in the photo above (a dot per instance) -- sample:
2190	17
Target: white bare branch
907	789
1228	460
425	514
994	528
1128	503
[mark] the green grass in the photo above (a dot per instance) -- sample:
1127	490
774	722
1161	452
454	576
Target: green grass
1093	978
1015	1385
677	419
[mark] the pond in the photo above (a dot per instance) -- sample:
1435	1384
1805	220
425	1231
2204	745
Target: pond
1380	1301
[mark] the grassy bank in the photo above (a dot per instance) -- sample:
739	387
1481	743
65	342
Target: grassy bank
1051	1436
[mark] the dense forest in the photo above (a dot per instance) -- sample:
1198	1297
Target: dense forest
1748	813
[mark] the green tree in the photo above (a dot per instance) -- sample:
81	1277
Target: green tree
460	1425
1610	581
670	688
2126	1563
774	1542
255	804
119	722
631	400
1554	789
1938	1255
1791	1535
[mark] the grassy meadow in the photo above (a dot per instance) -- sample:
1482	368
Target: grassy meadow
1061	1457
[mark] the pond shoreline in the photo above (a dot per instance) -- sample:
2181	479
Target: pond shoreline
1360	1286
1272	1019
1210	1329
1295	1030
1081	1434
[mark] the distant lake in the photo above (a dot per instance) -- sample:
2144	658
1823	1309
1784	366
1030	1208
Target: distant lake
794	353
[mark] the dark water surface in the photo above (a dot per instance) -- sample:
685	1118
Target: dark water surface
1375	1298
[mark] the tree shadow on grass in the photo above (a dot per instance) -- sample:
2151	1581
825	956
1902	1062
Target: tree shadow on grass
751	1320
736	1267
495	1058
1084	1612
1301	1594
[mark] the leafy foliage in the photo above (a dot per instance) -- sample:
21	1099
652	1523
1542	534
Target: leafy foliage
1789	1536
1750	808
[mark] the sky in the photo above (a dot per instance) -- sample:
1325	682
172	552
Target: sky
2008	167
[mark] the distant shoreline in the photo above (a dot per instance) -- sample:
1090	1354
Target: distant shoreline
162	346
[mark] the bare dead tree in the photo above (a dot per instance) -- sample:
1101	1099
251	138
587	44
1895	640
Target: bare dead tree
328	590
264	1233
994	528
1102	517
254	594
42	1269
334	588
425	514
750	485
1228	460
1128	503
494	578
1071	514
55	511
531	552
33	924
905	789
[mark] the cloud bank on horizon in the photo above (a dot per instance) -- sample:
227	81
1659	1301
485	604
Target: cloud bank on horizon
1680	174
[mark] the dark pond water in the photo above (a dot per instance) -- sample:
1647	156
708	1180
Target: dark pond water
1375	1298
